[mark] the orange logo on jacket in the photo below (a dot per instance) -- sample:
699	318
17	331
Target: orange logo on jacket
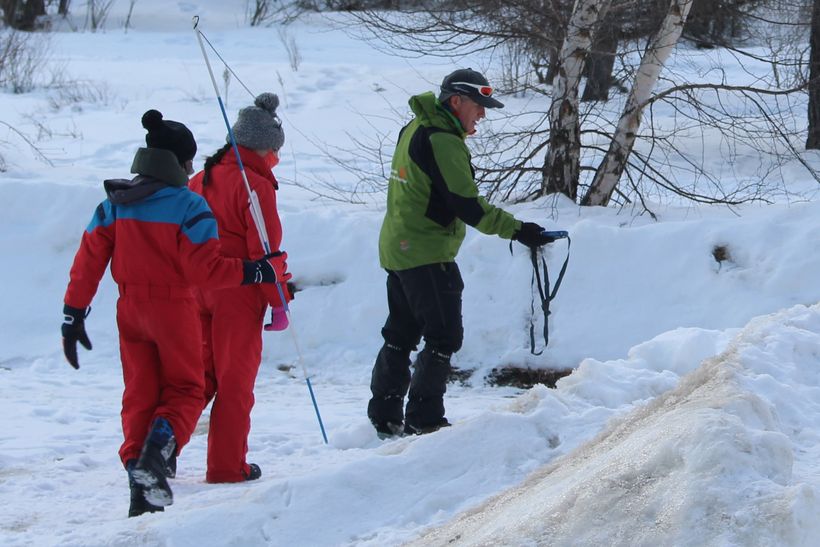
399	175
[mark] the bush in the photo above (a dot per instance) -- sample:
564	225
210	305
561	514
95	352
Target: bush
21	55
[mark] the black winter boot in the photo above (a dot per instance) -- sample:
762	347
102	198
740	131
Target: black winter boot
254	473
423	430
425	401
389	430
152	467
171	465
138	504
388	384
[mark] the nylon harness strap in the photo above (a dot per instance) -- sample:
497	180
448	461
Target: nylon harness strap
544	292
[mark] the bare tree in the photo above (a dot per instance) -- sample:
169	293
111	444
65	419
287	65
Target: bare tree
718	23
22	14
265	12
626	20
657	52
259	11
291	48
813	139
127	24
558	143
38	153
98	13
600	64
22	59
563	158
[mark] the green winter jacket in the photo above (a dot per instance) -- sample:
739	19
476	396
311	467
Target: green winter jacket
432	193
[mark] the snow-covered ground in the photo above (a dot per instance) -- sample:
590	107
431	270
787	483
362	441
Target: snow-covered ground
692	418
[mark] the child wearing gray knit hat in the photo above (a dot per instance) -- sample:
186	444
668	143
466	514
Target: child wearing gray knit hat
258	127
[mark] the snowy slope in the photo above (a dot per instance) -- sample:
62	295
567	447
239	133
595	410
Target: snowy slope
683	423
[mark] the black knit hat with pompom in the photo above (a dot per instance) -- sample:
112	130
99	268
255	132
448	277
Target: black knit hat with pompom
258	127
169	135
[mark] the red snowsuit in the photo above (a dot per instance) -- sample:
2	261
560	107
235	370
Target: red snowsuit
160	245
232	318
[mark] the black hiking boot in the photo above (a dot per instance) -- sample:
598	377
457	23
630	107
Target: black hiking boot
422	430
138	504
254	473
388	430
152	466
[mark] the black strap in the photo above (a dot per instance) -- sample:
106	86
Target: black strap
545	294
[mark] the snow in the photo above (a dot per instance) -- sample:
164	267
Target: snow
692	416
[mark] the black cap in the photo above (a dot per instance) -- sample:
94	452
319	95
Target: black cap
169	135
466	81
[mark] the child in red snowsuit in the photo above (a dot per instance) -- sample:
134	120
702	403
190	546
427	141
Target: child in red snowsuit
232	318
161	240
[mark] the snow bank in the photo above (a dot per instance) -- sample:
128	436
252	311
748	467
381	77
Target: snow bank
726	458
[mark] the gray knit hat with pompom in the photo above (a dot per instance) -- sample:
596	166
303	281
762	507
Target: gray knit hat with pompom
258	127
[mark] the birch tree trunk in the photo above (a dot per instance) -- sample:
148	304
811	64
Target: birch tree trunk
657	52
813	139
562	164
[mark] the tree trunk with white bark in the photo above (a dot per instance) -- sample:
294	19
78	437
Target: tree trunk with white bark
562	164
657	52
813	139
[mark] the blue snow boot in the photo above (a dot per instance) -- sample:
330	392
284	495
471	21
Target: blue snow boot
151	469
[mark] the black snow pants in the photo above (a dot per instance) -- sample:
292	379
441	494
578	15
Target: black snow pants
422	302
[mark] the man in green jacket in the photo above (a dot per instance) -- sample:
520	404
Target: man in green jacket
431	195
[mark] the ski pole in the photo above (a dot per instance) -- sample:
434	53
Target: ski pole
259	222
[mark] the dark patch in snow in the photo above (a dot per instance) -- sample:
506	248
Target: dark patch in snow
525	378
721	254
459	376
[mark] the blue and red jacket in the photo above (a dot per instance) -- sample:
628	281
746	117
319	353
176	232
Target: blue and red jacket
158	236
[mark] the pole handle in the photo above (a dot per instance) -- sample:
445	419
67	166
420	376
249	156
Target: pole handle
556	234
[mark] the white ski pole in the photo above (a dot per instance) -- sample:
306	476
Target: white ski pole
259	221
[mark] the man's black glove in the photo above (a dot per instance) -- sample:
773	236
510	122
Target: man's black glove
268	269
73	332
532	235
